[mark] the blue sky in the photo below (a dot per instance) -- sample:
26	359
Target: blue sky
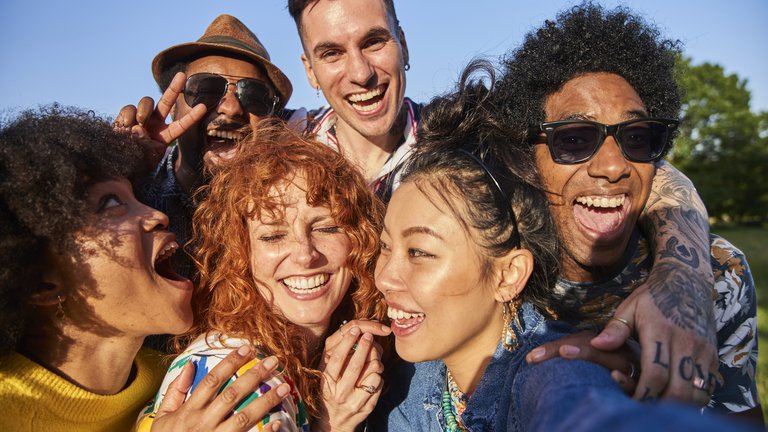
97	54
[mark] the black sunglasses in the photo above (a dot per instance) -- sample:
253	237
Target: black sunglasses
255	96
640	140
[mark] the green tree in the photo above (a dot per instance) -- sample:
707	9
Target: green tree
722	146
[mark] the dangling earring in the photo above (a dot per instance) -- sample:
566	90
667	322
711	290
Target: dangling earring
509	314
318	90
407	67
60	310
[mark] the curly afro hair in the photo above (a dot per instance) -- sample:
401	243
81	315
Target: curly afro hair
586	39
48	159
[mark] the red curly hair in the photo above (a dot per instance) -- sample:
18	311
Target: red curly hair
227	299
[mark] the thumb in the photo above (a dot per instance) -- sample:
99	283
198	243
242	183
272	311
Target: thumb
615	333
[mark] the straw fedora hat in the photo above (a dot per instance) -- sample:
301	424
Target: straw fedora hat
226	34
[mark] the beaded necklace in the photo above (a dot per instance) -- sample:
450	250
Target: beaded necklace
452	396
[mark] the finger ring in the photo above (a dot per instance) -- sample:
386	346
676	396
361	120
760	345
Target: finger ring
117	124
700	384
354	347
623	321
632	371
368	389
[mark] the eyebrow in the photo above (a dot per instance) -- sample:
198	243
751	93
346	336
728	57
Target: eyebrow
629	115
373	32
421	230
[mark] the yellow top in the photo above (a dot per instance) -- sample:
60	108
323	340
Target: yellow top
32	398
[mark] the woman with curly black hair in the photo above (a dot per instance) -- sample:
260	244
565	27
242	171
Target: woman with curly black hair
85	278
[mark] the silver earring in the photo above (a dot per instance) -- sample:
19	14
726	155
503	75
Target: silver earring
318	91
407	67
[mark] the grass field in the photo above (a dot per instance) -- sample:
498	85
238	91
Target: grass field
753	241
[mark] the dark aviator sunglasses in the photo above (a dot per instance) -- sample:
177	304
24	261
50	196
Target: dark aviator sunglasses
255	96
577	141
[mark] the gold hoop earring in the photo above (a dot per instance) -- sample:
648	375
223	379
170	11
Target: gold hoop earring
509	314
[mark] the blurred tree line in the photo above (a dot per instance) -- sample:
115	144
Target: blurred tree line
722	146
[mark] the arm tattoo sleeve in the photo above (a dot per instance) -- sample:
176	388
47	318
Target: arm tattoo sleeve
675	220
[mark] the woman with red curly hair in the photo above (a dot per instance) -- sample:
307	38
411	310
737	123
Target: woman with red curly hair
286	242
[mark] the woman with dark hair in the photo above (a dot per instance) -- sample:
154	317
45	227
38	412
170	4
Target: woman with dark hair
85	278
286	241
468	260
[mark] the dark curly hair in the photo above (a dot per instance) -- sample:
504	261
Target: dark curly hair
586	39
48	159
463	153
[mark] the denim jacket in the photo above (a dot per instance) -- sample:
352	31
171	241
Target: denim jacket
512	395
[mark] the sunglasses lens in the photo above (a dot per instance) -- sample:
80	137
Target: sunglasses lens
572	143
256	97
644	141
204	88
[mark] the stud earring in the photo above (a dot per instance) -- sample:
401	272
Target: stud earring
60	310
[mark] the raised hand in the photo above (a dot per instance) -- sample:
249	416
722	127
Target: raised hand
352	371
207	410
148	122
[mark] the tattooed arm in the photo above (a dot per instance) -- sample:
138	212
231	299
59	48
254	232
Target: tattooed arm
672	312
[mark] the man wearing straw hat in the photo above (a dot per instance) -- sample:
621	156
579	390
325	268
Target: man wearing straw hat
216	89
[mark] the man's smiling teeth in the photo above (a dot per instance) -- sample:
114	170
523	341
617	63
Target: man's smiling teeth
306	285
362	97
601	202
397	314
224	134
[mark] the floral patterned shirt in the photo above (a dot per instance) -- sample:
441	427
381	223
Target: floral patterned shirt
591	305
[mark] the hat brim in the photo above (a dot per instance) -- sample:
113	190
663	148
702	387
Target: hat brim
185	51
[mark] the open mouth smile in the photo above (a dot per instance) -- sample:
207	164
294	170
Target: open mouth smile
404	320
303	285
602	215
368	101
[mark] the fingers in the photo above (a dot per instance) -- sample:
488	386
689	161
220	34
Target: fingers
337	356
209	386
351	374
366	326
551	349
180	126
125	119
256	410
624	381
176	393
144	109
170	95
243	386
616	332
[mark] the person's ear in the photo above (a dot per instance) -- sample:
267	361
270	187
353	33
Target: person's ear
513	270
50	291
403	45
309	71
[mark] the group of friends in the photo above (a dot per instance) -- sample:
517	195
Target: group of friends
513	255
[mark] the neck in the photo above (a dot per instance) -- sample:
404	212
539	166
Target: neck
468	364
72	353
369	153
315	336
